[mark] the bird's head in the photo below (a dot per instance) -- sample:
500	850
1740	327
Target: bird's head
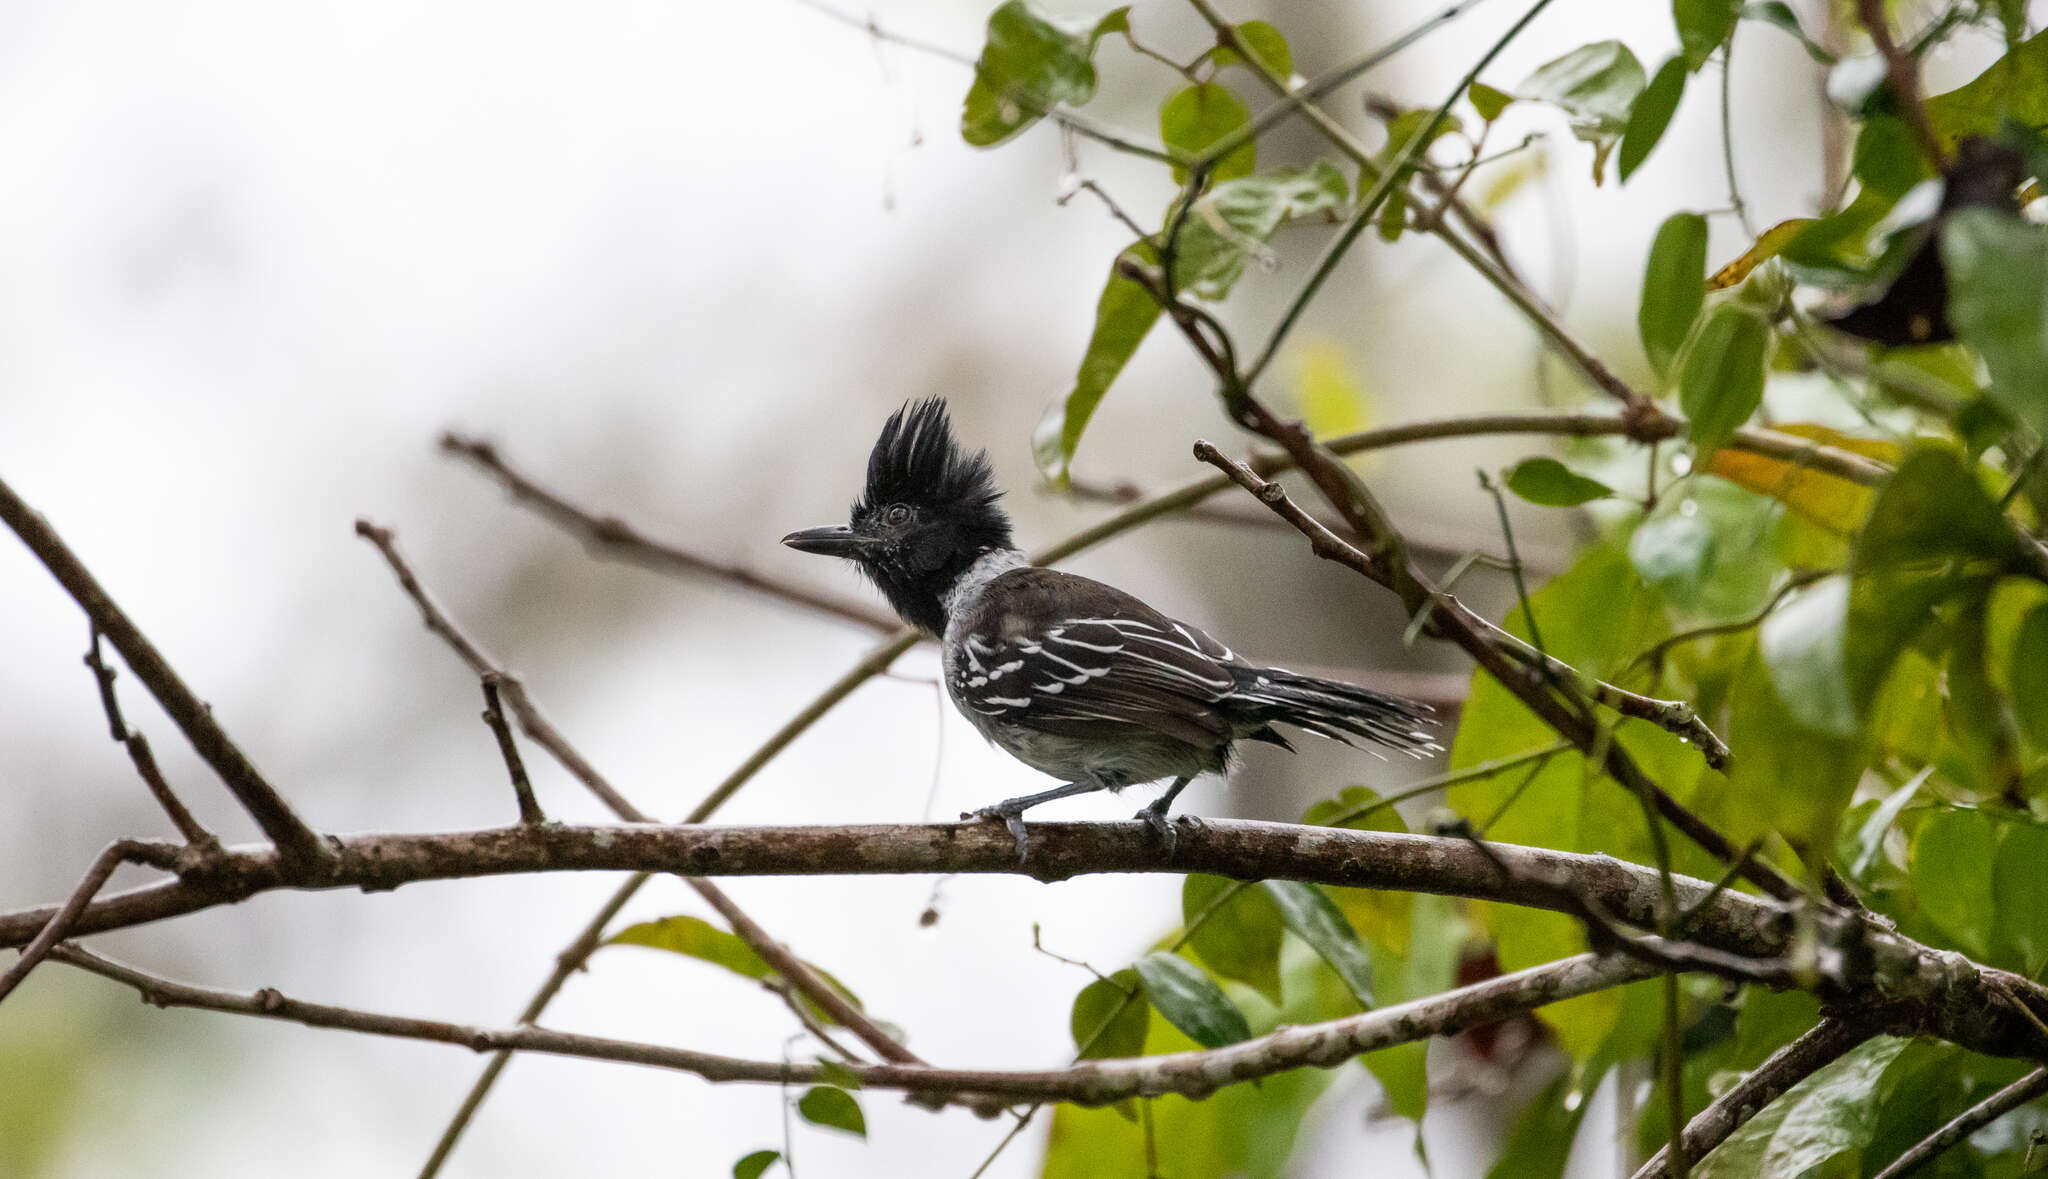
929	510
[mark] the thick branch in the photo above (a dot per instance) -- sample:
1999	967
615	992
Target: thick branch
613	538
1893	980
1821	1046
193	716
1095	1082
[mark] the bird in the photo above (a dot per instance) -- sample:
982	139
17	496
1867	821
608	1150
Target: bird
1072	677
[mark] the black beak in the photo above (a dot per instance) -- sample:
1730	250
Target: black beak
835	540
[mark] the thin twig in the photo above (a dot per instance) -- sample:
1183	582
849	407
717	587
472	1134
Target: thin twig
613	538
193	716
1904	76
531	720
140	754
522	788
1822	1045
1968	1122
65	918
496	683
1095	1082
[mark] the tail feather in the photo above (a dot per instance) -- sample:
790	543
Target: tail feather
1339	711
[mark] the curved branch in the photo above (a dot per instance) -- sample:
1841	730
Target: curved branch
1968	1122
615	539
193	716
1821	1046
1095	1082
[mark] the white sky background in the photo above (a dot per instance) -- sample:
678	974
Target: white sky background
257	255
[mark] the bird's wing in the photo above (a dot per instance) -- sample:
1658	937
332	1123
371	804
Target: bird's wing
1062	654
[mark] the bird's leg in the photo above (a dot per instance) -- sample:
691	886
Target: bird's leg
1155	815
1011	810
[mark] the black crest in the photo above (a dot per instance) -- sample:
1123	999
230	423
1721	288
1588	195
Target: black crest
929	511
918	461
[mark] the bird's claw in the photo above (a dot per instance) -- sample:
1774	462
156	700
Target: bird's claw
1155	818
1013	822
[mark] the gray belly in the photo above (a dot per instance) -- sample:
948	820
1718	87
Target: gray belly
1144	757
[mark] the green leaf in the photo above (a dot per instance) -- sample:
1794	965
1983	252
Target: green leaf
1932	508
1673	288
1231	224
1198	116
1675	551
1998	303
1703	26
1791	778
1241	938
1778	13
695	937
1488	101
1109	1017
1954	854
1550	483
1266	44
1191	1001
2028	674
1028	66
1116	20
1124	315
834	1109
1803	644
1870	837
1824	1117
2020	882
1314	918
1596	85
1721	382
2015	87
753	1166
1651	115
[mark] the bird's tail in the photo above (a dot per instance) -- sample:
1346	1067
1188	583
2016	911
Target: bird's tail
1339	711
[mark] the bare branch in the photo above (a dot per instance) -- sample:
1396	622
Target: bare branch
1821	1046
802	977
522	789
1903	74
65	918
531	720
1968	1122
615	539
193	716
140	754
1095	1082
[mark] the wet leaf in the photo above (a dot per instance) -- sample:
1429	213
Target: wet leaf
753	1166
1230	225
1311	916
1596	85
1826	1116
1703	26
1027	66
1955	852
1997	268
1191	1001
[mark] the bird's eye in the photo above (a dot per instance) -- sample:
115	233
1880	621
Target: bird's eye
896	514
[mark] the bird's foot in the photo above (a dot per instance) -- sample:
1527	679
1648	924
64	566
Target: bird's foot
1013	821
1154	816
